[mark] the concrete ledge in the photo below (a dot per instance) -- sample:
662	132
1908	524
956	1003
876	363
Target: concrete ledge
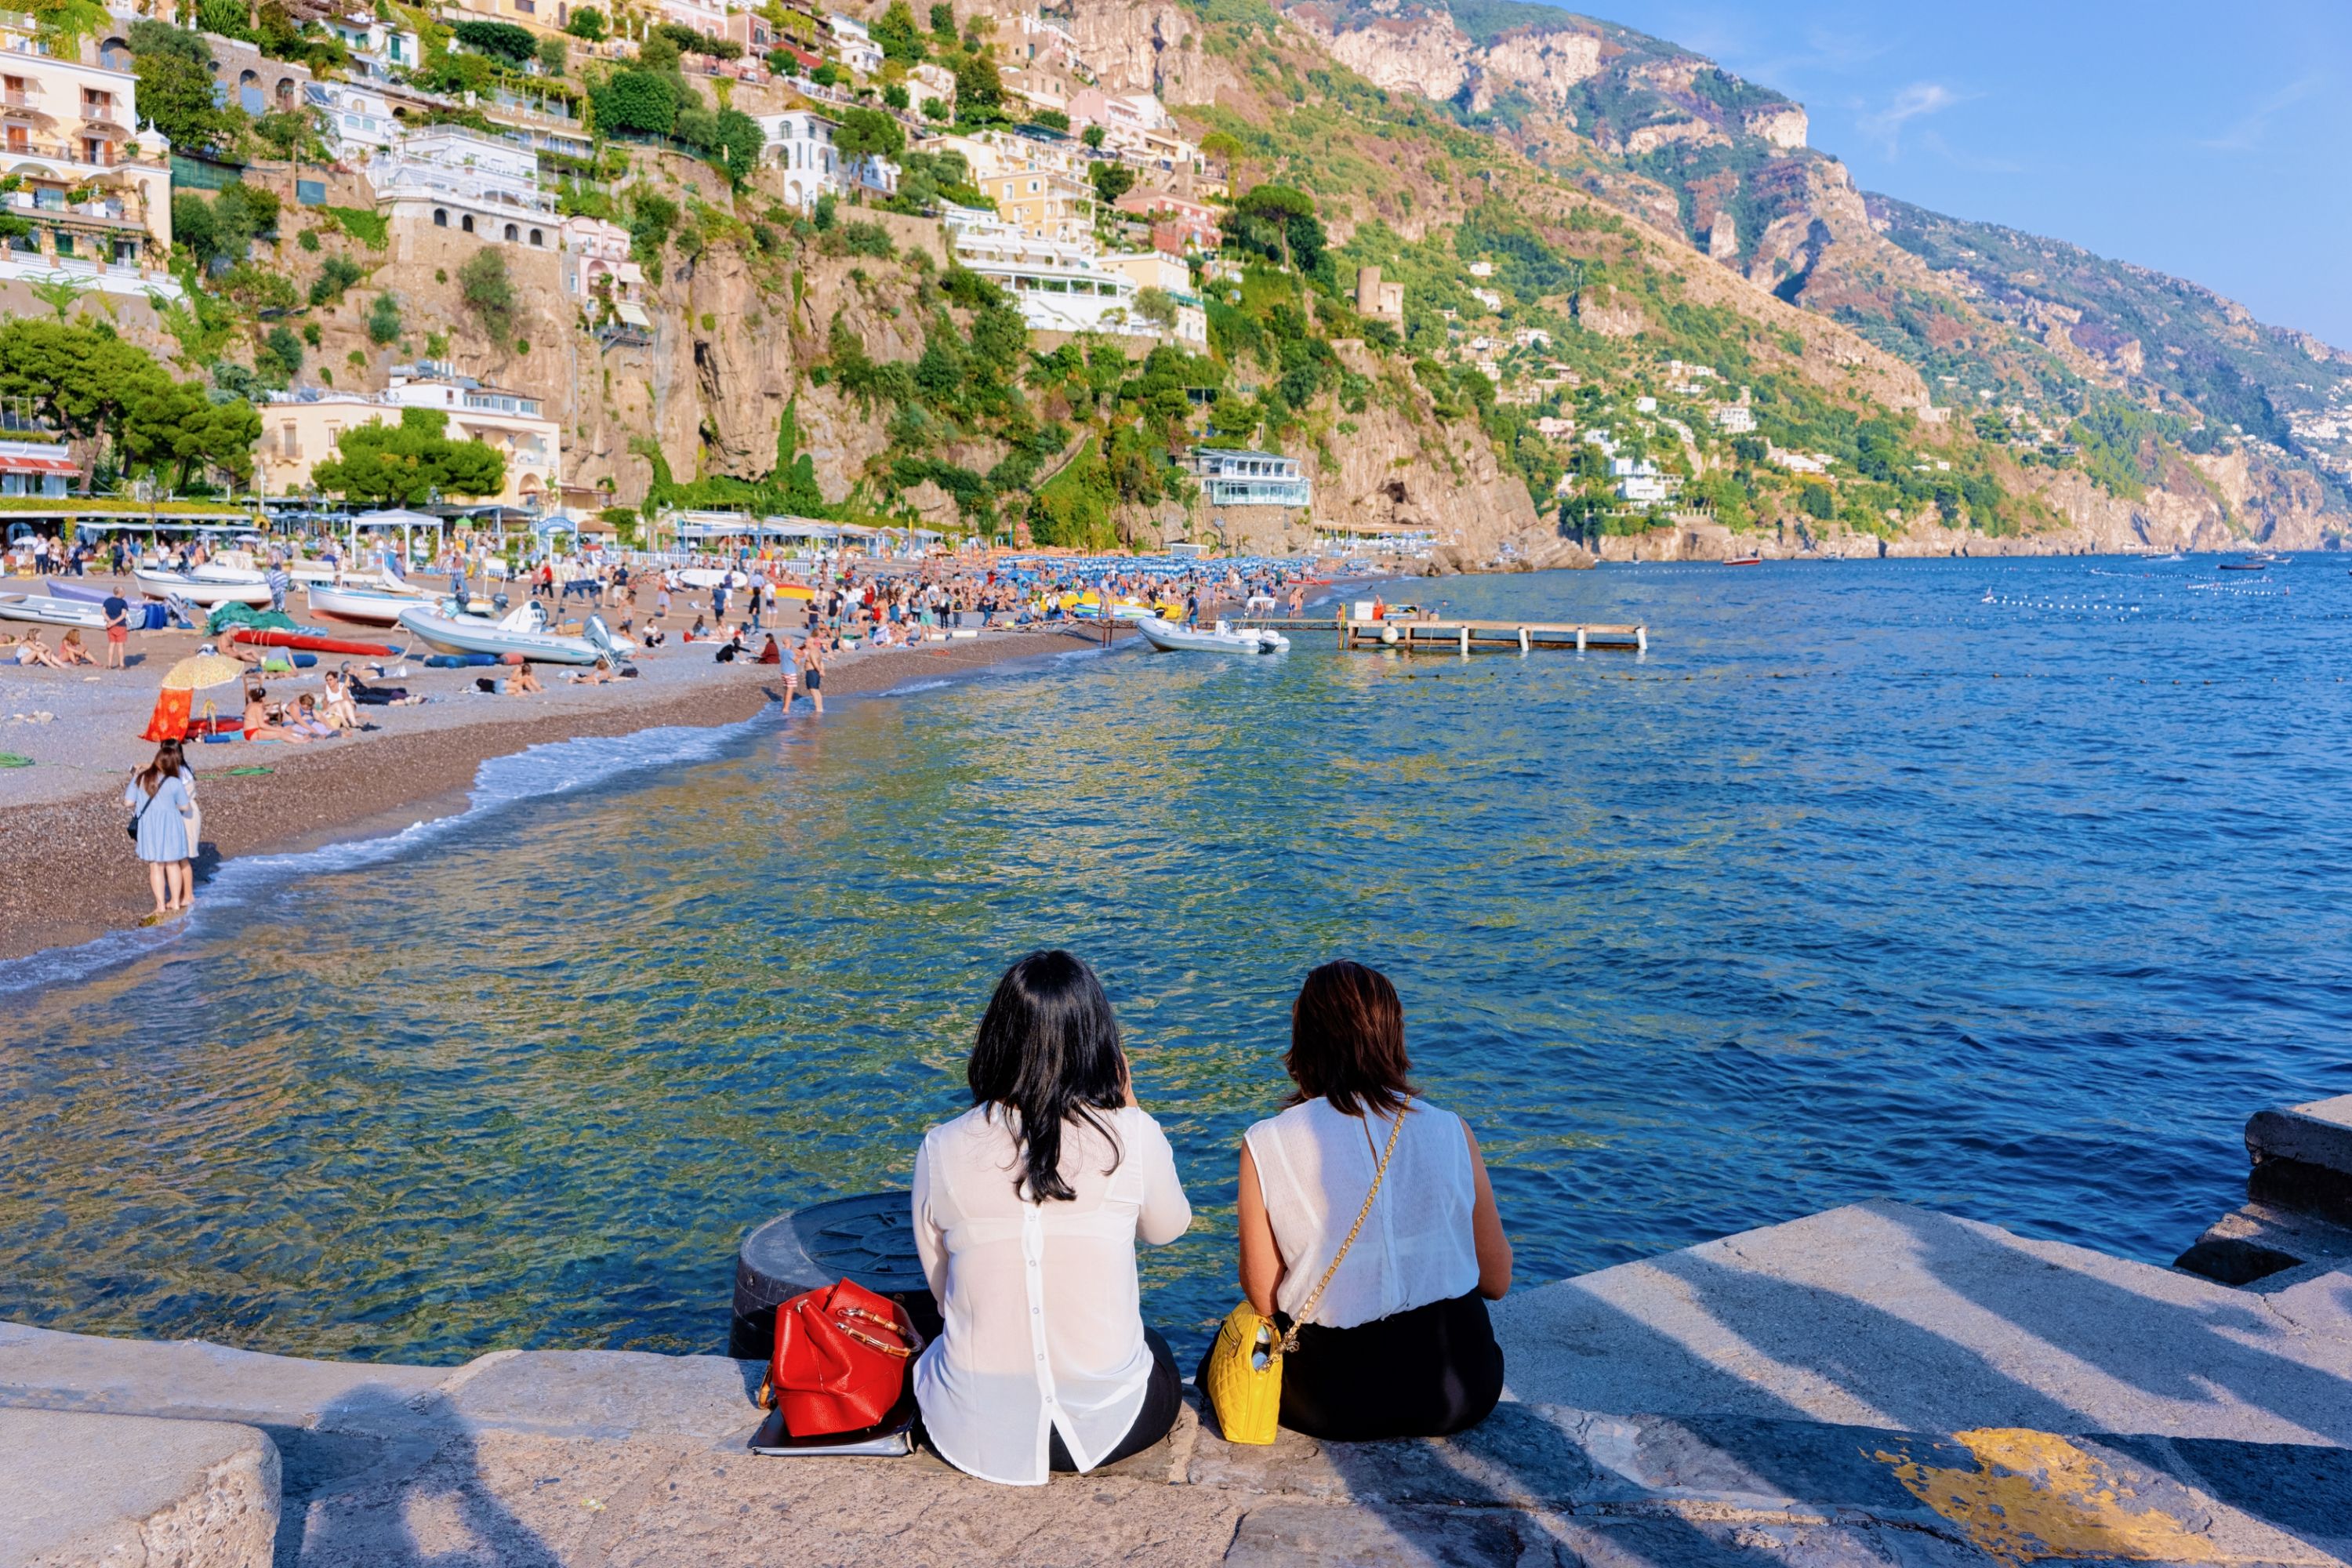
135	1492
1874	1386
2302	1157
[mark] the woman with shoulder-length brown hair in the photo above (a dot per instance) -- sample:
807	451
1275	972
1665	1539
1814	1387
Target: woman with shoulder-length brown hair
1394	1341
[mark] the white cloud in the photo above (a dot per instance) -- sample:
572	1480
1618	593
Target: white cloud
1885	126
2255	123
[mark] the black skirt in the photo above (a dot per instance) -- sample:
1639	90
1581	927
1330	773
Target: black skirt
1423	1373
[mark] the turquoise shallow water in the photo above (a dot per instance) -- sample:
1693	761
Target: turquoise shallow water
2008	888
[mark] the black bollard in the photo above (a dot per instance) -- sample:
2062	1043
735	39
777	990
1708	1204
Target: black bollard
869	1238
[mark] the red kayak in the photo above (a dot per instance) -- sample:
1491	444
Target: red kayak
309	642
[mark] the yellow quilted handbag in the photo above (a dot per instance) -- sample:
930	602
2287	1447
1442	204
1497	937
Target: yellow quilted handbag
1244	1371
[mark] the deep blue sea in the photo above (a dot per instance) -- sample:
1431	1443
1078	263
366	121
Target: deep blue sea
2010	889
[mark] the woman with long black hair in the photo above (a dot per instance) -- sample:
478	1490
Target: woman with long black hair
1027	1210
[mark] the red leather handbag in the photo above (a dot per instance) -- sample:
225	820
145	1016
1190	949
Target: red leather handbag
841	1360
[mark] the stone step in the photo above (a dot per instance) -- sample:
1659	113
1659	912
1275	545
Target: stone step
2264	1248
2302	1157
126	1491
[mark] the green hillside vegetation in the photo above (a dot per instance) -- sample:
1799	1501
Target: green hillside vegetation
1357	150
2194	350
2154	341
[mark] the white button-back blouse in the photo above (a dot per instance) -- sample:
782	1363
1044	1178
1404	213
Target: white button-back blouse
1315	1165
1043	1329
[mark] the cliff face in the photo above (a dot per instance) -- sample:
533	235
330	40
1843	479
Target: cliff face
1150	46
2002	318
1424	51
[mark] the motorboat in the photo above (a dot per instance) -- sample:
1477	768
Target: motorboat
52	612
1166	636
1743	561
157	583
521	632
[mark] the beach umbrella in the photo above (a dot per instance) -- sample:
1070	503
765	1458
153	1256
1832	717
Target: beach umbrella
175	702
201	671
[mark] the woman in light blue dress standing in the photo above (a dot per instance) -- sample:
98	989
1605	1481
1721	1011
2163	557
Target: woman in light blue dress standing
162	800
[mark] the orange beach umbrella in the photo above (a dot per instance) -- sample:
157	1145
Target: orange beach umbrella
181	683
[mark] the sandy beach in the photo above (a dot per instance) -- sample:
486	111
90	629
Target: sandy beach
67	873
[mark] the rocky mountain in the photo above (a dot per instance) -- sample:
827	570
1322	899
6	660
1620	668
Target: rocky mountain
2027	335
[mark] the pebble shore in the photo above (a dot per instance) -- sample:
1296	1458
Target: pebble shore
66	874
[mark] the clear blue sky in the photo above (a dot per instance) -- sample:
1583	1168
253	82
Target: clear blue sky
2213	142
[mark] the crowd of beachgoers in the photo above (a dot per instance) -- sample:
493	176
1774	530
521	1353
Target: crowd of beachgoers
797	614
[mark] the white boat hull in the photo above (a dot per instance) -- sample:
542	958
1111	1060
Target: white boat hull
453	634
52	612
1166	636
198	590
368	606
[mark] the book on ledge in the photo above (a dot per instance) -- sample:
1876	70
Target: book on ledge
893	1438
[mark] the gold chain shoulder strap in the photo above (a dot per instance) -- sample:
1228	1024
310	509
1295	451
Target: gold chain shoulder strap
1306	1308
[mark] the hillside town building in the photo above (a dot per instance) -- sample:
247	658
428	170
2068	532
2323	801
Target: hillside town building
1230	477
302	428
96	189
451	177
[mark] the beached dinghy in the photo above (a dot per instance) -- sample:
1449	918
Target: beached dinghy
1168	638
52	612
523	632
368	605
157	584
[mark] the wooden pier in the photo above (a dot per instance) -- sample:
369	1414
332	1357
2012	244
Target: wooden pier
1441	635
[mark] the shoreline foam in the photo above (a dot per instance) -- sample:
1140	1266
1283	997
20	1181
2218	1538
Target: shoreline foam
69	885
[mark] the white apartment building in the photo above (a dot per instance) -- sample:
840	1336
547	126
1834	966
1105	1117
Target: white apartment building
1058	286
931	80
302	428
801	142
357	120
1233	478
1639	480
855	44
1734	418
377	47
451	177
96	189
542	124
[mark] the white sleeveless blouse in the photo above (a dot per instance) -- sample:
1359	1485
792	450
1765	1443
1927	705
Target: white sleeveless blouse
1314	1167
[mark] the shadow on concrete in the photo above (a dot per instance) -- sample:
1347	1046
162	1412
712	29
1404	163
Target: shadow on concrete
2179	1352
377	1461
2161	1348
1902	1373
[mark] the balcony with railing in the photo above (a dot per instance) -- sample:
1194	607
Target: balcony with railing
99	211
123	155
426	182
